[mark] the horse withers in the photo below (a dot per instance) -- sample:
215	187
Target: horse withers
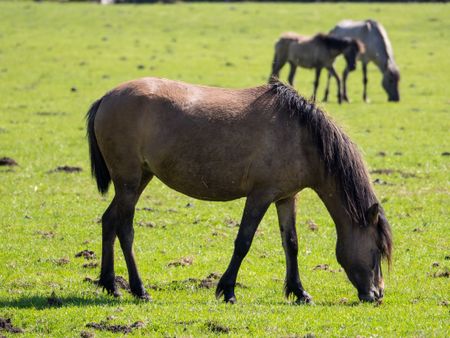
378	49
265	144
317	52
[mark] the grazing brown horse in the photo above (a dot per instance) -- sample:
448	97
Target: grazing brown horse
316	52
265	143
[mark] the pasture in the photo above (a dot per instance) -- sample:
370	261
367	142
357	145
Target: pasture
56	59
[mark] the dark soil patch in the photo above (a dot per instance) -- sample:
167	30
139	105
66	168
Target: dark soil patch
66	169
231	222
122	283
210	281
61	261
442	274
381	153
7	161
326	267
90	265
54	301
145	209
147	224
6	325
217	328
184	261
392	171
446	153
87	334
380	182
115	328
45	234
49	113
311	225
86	254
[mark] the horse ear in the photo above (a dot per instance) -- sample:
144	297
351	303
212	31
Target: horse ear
373	213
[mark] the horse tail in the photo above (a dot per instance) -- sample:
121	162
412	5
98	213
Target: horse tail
99	169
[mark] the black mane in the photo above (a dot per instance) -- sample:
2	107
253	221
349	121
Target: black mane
339	154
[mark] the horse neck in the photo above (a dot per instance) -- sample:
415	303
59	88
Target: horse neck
331	196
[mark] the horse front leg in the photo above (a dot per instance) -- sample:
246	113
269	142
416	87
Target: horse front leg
286	219
338	82
292	72
364	71
327	88
344	84
255	208
316	82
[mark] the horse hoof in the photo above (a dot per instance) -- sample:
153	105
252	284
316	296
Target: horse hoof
304	299
232	300
145	297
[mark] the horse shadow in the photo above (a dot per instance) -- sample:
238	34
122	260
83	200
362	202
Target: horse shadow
41	302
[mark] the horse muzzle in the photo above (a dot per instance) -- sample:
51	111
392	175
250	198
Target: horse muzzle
374	295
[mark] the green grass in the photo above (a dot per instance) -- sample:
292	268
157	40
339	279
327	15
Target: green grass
46	49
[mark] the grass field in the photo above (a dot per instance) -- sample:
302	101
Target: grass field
55	59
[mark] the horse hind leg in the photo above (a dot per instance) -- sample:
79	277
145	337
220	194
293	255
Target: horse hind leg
118	220
127	195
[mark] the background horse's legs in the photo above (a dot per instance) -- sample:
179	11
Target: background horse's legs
316	82
338	81
277	64
255	208
364	71
292	73
344	84
286	219
107	277
327	88
127	195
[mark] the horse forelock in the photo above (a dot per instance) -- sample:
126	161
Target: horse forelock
339	154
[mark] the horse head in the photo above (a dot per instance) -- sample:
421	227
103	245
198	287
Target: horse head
351	53
360	252
391	78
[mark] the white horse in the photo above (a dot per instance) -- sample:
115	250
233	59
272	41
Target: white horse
378	49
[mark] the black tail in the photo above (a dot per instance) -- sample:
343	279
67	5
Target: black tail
98	165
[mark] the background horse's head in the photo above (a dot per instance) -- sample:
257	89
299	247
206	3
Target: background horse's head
360	250
355	47
391	78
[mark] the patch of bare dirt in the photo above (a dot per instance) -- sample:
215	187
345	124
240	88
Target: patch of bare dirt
326	267
50	113
66	169
184	261
446	153
90	265
393	171
87	334
442	274
61	261
6	325
147	224
122	283
45	234
7	161
217	328
231	222
115	328
86	254
311	225
210	281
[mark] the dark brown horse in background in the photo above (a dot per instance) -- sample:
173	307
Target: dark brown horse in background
265	143
317	52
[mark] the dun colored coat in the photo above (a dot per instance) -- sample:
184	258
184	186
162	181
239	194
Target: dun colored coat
265	144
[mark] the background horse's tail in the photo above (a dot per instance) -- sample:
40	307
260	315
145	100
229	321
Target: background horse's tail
98	165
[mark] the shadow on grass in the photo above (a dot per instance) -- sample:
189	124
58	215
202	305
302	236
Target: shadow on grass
42	302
